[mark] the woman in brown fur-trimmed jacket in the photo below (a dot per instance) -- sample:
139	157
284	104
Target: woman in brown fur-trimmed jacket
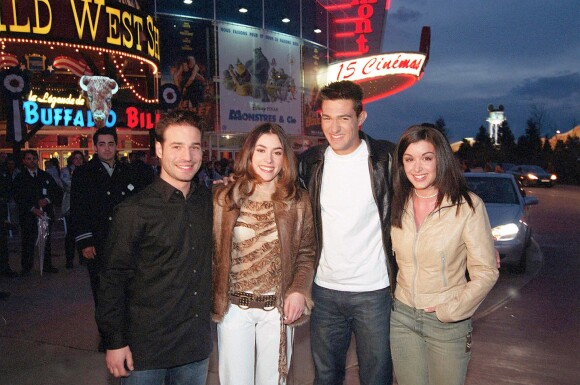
263	264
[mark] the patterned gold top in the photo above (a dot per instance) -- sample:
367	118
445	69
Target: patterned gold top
256	265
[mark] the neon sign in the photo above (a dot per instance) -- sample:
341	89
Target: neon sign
34	114
374	66
48	98
379	75
359	25
82	21
62	116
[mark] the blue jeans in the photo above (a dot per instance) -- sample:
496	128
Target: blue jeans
335	316
194	373
427	351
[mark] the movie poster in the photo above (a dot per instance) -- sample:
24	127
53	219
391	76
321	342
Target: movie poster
187	68
314	59
260	79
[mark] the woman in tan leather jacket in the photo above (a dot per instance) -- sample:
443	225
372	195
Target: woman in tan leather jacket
439	231
263	264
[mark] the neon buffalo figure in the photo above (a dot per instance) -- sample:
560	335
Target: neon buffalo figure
99	90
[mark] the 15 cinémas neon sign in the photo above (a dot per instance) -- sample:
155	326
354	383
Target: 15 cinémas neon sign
379	75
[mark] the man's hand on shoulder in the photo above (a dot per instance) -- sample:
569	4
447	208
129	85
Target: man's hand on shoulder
118	361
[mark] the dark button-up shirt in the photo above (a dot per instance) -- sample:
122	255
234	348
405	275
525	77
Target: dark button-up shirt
155	289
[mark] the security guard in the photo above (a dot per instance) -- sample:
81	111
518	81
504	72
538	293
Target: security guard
97	187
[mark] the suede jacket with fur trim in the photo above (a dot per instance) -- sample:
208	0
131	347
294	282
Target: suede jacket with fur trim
297	250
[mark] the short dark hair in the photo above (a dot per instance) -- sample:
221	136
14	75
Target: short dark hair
31	152
175	117
105	131
139	155
344	90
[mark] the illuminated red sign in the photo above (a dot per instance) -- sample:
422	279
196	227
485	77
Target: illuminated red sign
358	25
379	75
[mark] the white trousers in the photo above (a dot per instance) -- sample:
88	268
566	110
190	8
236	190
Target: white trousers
248	346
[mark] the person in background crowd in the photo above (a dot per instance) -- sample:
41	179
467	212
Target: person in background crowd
465	166
439	230
263	261
142	171
350	187
35	192
97	187
155	293
52	166
74	161
5	186
11	166
155	166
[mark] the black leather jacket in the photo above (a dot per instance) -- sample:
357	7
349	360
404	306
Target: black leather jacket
310	166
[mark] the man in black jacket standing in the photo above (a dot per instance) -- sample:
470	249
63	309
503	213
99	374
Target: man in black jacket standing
35	191
349	184
96	188
155	293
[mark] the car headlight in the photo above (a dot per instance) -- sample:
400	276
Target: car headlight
532	176
505	232
553	177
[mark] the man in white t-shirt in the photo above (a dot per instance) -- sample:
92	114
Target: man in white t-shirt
349	184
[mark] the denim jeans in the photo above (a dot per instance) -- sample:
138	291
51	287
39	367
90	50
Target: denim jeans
336	315
427	351
194	373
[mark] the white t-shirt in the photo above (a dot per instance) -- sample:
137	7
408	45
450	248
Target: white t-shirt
352	258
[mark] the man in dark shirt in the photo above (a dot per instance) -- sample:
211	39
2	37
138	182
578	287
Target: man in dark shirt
155	289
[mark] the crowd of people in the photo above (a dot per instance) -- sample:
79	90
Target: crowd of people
356	236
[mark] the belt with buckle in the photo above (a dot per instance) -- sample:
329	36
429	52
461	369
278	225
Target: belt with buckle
250	301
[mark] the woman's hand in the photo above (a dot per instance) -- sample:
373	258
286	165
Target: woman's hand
430	309
294	305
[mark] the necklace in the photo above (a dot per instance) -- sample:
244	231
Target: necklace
425	197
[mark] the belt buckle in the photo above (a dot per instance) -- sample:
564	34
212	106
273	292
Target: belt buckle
269	302
244	302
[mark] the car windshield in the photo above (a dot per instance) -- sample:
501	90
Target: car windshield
536	169
493	190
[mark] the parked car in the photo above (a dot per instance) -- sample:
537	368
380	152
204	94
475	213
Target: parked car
531	175
508	212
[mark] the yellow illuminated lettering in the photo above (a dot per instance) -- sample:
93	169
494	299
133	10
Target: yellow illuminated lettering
152	44
15	27
157	40
87	13
46	28
114	17
138	23
2	26
128	37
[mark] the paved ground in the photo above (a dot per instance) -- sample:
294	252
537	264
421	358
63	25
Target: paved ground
48	334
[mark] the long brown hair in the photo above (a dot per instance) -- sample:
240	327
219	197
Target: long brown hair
245	177
449	178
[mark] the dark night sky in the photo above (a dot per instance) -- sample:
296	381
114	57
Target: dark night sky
523	54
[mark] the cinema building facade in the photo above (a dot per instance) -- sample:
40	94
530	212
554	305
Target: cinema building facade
235	66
